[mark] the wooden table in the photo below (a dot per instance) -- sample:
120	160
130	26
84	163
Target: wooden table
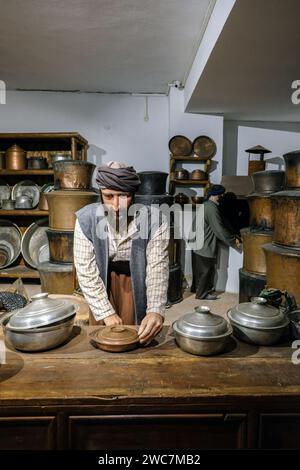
80	397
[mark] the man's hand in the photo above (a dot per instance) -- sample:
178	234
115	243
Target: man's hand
112	320
239	244
150	326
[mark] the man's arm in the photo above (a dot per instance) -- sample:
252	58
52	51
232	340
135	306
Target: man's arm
157	276
89	278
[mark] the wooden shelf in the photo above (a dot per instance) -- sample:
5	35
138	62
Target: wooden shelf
189	159
25	172
29	212
189	182
19	271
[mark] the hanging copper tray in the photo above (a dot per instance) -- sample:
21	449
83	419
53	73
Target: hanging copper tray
180	146
117	338
204	147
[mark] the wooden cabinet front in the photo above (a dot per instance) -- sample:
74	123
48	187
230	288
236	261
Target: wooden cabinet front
27	433
195	431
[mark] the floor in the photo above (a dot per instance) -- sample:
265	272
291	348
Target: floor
220	306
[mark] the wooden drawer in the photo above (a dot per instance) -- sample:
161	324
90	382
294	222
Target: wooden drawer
198	431
28	432
279	431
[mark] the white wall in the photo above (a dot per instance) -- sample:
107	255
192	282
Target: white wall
113	124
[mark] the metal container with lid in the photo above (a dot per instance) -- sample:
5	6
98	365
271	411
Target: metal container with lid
117	338
202	332
257	322
15	158
152	182
42	311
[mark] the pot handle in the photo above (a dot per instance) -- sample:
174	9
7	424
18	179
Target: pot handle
5	316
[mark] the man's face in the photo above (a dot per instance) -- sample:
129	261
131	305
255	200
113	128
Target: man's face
219	197
116	201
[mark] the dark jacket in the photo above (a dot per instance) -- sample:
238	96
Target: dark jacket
214	231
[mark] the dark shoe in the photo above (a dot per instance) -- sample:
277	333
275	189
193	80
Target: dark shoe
210	297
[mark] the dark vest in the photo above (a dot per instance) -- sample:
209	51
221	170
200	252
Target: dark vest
93	224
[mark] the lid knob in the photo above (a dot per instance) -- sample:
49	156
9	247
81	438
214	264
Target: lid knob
259	300
42	295
202	309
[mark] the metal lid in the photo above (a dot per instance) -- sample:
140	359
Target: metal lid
41	311
48	267
260	195
202	324
257	314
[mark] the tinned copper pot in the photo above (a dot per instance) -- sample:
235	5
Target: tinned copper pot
268	181
73	174
261	211
64	204
15	158
60	246
287	218
292	166
254	258
283	269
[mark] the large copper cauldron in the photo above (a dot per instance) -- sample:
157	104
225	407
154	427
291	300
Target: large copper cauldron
287	218
261	211
60	246
292	166
57	278
64	204
73	174
254	258
283	269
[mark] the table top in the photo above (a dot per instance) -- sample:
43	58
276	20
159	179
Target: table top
77	372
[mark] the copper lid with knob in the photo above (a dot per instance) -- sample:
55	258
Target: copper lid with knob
117	338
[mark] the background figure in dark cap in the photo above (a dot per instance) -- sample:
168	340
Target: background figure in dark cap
215	232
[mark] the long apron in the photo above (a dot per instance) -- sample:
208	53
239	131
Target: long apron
120	293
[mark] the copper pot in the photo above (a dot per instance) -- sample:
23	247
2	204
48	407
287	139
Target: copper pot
73	174
287	218
64	204
254	258
283	269
292	167
198	175
15	158
261	211
56	278
118	338
37	163
181	174
268	181
60	246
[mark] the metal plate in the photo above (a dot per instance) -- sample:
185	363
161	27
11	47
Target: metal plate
180	146
46	188
35	246
10	243
27	188
204	147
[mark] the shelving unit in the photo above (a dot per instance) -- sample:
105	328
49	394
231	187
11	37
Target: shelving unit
35	144
192	159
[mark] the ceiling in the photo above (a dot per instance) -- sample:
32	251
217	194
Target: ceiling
249	73
110	46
